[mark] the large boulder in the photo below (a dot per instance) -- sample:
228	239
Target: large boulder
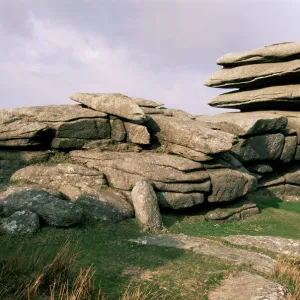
20	222
146	206
105	206
137	134
52	210
234	211
256	75
188	133
179	200
261	147
228	185
114	104
270	53
241	124
273	97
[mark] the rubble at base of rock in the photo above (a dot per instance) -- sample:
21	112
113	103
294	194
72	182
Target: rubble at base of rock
93	154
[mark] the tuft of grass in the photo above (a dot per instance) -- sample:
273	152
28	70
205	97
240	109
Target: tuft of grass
287	270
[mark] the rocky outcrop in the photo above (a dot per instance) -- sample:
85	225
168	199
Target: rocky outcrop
92	155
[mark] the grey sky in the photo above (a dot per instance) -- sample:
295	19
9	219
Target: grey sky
155	49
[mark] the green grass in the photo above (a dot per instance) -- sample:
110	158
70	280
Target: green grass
184	275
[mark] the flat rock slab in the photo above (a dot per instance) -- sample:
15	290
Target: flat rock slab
275	97
57	113
187	132
247	286
248	123
114	104
275	244
257	75
257	261
270	53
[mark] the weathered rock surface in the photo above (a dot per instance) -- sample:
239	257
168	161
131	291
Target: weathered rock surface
272	243
90	129
118	132
137	134
270	53
257	261
179	200
54	211
257	148
228	185
247	286
238	210
106	206
188	133
20	222
289	149
187	152
256	75
126	181
59	176
241	124
152	166
57	113
146	206
114	104
273	97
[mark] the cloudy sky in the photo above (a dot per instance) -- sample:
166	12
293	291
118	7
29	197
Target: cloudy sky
155	49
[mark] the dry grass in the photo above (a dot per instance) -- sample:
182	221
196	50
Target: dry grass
32	279
288	270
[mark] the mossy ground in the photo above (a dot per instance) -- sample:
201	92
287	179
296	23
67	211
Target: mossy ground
181	274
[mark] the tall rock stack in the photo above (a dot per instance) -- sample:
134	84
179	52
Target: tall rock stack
268	83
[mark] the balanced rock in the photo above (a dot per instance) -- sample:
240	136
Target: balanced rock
146	206
20	222
114	104
270	53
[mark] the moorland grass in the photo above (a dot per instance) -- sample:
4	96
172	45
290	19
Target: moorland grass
123	269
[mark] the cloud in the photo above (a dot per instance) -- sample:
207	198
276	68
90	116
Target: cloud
160	50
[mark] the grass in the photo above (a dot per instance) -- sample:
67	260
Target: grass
104	257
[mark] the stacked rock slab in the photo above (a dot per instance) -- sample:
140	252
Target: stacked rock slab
268	94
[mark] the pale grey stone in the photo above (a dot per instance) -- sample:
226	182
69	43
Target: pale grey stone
247	123
137	134
270	53
257	261
114	104
256	75
118	132
146	206
247	286
188	133
274	97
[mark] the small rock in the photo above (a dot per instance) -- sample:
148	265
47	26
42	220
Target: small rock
20	222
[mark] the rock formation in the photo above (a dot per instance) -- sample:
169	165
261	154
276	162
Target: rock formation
87	158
